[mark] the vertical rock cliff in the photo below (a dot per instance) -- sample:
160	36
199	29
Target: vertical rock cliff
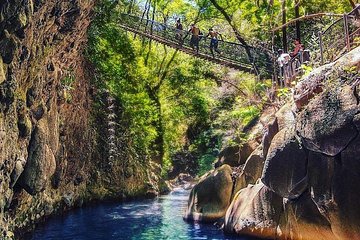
49	137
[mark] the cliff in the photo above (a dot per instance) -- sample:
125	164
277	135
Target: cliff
302	182
52	153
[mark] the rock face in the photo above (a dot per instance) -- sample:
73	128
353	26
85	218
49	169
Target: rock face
48	146
251	171
285	169
251	214
41	164
309	162
230	156
210	198
325	125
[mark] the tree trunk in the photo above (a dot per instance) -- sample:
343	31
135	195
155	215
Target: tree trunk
352	3
130	6
284	35
228	18
297	23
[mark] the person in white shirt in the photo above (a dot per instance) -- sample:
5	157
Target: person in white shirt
283	61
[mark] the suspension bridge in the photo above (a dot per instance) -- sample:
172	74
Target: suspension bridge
332	42
234	55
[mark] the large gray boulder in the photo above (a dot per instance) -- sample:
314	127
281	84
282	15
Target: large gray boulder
301	219
251	171
345	214
325	125
285	169
230	156
254	211
210	198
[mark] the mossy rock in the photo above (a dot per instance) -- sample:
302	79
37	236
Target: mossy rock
24	125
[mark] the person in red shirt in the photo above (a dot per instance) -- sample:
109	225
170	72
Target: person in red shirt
298	47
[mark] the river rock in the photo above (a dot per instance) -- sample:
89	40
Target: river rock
285	117
254	211
325	125
356	121
252	170
285	169
302	220
230	156
210	198
345	214
41	164
320	176
271	130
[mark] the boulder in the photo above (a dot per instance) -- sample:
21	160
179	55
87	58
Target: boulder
271	130
345	215
252	170
325	125
301	219
313	84
210	198
230	156
285	117
254	211
41	164
335	189
356	121
285	169
235	156
320	176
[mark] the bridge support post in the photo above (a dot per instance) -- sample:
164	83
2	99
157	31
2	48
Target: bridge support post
321	47
346	32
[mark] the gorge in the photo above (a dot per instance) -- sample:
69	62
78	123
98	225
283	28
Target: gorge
91	113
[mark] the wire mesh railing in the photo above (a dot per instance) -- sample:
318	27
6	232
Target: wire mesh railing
333	42
340	37
246	57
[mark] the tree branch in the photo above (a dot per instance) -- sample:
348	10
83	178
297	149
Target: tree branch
316	15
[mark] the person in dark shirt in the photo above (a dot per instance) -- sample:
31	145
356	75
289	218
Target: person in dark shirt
179	31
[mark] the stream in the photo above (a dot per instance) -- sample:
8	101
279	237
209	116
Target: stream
152	219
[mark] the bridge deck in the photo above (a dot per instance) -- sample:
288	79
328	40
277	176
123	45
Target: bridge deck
233	55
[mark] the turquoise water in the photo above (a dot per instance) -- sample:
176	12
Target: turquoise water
157	219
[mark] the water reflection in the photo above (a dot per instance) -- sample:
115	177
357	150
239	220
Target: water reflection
159	219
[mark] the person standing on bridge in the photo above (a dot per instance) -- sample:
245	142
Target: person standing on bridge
214	42
179	31
298	48
195	37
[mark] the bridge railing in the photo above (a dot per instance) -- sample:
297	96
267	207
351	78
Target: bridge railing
260	62
340	37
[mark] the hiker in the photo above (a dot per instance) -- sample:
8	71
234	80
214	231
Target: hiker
195	37
179	31
298	48
214	42
283	61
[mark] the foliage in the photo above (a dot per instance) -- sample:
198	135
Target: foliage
171	102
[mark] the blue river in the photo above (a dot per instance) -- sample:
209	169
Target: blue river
156	219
